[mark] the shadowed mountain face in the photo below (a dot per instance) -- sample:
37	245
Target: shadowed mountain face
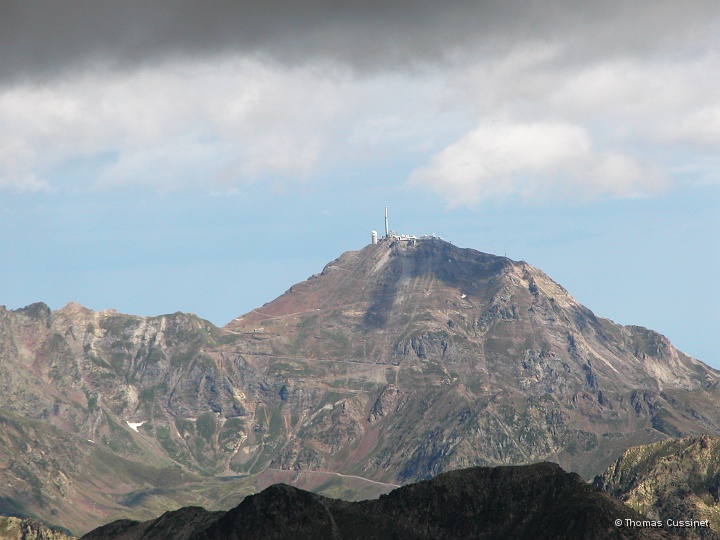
532	502
397	362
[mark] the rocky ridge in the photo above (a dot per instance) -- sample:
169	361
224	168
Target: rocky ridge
529	502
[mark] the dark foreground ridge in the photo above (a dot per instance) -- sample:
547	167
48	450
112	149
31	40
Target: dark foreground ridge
539	501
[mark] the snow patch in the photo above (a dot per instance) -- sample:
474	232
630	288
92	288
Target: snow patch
136	425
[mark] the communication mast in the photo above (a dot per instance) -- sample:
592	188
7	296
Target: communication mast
387	228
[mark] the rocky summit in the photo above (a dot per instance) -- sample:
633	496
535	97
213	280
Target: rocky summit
526	502
397	362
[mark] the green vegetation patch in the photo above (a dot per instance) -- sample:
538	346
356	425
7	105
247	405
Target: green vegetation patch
118	360
330	398
155	355
96	359
56	343
228	338
583	441
183	358
646	341
92	400
234	424
206	426
149	393
308	322
116	325
24	473
185	428
359	384
662	421
289	368
337	341
174	450
231	434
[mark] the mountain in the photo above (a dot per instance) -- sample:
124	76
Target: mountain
427	357
673	479
397	362
524	502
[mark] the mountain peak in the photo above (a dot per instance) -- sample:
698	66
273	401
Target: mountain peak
383	284
388	271
73	308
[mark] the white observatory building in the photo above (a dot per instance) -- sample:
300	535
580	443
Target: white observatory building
396	237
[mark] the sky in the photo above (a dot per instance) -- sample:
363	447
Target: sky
205	156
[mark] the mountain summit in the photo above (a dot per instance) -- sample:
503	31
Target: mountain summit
474	359
397	362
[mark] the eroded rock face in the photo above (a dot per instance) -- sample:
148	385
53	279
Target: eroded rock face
396	363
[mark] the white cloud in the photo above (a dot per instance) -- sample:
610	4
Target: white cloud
212	124
620	126
700	126
528	120
171	126
538	160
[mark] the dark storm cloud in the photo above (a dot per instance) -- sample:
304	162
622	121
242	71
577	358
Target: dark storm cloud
45	38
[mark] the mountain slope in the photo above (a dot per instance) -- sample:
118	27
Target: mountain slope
397	362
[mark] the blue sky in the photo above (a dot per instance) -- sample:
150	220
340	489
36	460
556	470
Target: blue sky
209	166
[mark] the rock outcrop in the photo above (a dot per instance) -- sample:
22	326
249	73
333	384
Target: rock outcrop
674	479
13	528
